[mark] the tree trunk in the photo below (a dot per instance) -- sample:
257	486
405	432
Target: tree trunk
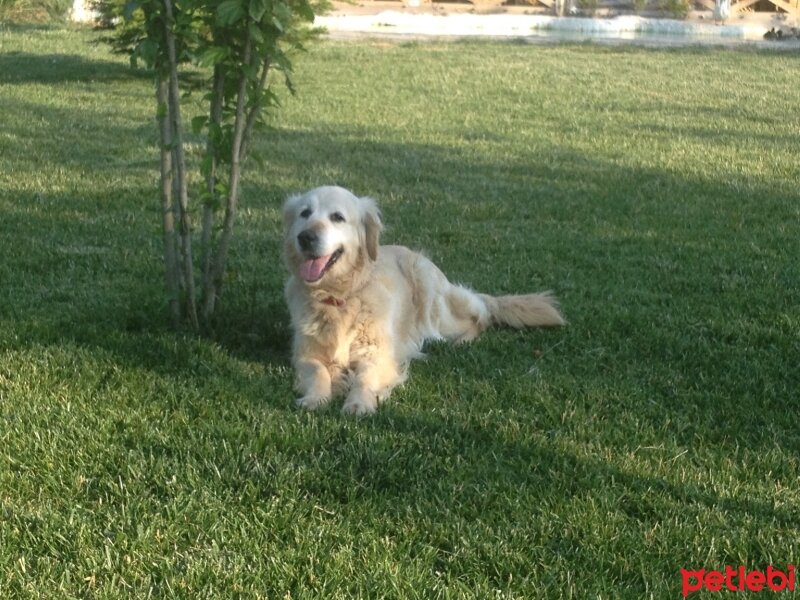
179	166
220	259
171	270
215	119
243	125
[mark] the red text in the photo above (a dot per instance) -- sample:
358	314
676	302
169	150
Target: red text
738	580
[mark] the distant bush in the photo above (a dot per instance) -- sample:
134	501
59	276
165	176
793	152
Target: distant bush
589	7
678	9
109	11
34	10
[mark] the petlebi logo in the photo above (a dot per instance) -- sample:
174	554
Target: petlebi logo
738	579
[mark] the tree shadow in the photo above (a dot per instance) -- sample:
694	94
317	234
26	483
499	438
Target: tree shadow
562	238
450	469
25	67
544	203
523	221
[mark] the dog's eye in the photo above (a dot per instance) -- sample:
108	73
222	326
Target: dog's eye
306	213
337	217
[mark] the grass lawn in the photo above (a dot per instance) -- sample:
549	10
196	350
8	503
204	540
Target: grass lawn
654	191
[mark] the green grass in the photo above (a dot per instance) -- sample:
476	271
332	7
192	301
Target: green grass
34	11
655	191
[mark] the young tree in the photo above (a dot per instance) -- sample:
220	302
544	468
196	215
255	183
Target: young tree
240	42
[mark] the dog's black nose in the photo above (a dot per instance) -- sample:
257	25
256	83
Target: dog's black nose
307	239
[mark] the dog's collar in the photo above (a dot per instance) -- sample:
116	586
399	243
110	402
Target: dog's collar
331	301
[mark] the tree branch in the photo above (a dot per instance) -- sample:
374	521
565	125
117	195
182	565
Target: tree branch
255	110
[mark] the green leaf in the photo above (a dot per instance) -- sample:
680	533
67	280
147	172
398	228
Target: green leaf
229	12
215	133
198	123
257	9
289	82
250	71
213	56
306	11
271	99
256	34
147	50
221	189
205	168
129	8
282	17
281	60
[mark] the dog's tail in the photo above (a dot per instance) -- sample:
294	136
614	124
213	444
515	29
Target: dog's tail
526	310
457	313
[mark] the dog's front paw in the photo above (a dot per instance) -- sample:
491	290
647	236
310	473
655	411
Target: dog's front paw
359	406
311	402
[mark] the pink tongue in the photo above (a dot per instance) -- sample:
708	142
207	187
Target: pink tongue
312	269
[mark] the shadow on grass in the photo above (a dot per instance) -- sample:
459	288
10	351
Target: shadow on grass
24	67
448	474
540	467
442	478
672	332
583	215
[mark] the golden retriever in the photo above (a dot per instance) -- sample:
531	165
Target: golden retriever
360	311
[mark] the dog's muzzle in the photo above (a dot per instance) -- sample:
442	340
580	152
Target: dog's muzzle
315	260
307	240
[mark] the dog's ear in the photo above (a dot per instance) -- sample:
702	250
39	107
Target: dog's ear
371	218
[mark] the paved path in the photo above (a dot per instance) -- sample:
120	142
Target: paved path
396	24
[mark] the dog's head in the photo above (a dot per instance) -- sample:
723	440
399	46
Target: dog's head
330	233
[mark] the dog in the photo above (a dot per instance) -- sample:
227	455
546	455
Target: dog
360	312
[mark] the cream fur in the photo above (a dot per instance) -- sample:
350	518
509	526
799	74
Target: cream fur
357	327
